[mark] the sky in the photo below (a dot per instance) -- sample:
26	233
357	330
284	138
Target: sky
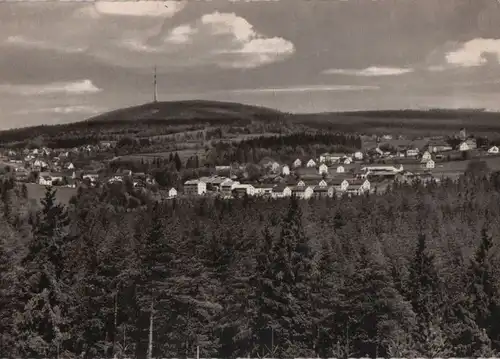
65	61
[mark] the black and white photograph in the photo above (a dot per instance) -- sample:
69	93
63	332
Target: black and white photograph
249	179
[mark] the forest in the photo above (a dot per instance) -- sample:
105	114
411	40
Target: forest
411	273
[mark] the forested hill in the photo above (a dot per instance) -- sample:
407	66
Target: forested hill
177	116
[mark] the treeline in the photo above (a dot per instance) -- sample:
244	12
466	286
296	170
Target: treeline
412	273
285	148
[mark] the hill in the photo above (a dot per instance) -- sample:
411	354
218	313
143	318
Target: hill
193	111
157	118
160	119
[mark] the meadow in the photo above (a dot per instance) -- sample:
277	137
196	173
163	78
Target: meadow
36	192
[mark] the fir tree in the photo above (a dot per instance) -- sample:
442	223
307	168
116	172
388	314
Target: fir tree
44	320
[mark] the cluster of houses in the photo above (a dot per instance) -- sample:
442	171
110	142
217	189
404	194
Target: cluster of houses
304	188
55	168
91	178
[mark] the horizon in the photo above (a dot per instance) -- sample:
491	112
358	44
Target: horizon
327	56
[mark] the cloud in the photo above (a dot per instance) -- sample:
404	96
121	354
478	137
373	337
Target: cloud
221	39
62	110
370	71
73	88
312	88
140	8
474	53
42	45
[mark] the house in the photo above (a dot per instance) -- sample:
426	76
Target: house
241	189
285	171
464	146
339	184
39	165
358	155
172	193
471	142
331	157
467	145
371	169
430	164
91	176
297	163
213	183
274	166
323	191
311	163
195	187
322	169
226	187
493	150
281	191
263	189
115	179
340	169
412	152
70	183
362	185
347	160
440	146
322	183
302	192
49	179
45	180
426	156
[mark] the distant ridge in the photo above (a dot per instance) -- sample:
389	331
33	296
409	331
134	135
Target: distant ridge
188	109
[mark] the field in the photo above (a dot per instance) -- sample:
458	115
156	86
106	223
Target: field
36	192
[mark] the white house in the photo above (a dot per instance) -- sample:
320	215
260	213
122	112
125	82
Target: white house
412	152
464	146
340	169
302	192
48	179
311	163
297	163
358	155
285	171
263	189
347	160
93	177
323	169
242	189
226	187
430	164
340	185
382	169
45	180
172	192
281	191
322	183
493	150
426	156
195	187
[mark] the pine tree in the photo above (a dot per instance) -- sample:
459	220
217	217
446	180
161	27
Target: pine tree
424	289
44	323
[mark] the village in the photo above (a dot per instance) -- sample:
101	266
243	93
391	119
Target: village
330	174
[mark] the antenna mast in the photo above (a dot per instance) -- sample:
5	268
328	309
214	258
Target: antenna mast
155	98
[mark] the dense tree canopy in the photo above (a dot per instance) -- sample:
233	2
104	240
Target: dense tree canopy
413	272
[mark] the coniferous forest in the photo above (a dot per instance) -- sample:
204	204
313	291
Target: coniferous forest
411	273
